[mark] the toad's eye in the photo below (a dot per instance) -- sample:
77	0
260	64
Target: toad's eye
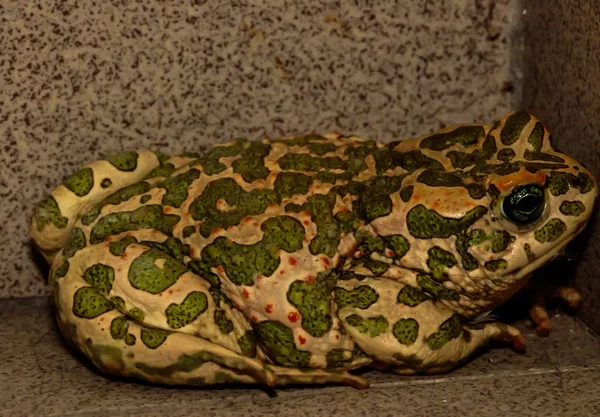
524	205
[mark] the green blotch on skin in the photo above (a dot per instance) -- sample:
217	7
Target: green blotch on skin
57	273
309	163
439	179
118	328
162	157
551	231
118	303
347	221
145	217
125	161
248	344
105	183
536	137
328	232
100	277
512	128
251	164
180	315
506	154
410	161
288	184
496	265
47	212
177	187
321	148
374	196
361	297
559	183
469	262
98	352
116	198
130	339
476	191
185	363
529	252
542	156
373	326
464	135
585	183
406	193
406	331
243	262
376	267
461	160
435	289
146	276
327	177
172	246
313	301
75	242
341	358
153	338
188	231
399	244
277	340
223	323
81	182
204	207
572	208
411	296
368	243
145	198
428	224
448	330
136	314
162	171
500	240
118	248
438	259
89	303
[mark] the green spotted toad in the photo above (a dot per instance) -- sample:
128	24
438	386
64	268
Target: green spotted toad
300	259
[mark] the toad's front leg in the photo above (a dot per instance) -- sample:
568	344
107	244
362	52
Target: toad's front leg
403	329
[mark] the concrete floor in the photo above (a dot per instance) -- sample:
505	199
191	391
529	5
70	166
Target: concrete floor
558	376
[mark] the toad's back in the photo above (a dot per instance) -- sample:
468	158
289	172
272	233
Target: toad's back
324	252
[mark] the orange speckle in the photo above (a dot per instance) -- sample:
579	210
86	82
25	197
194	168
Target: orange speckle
273	206
491	257
390	253
168	210
254	319
293	261
124	256
101	318
293	316
259	278
310	279
337	337
170	292
245	294
192	252
220	202
306	223
160	294
436	205
301	340
187	214
269	308
416	197
282	272
215	231
220	269
230	227
393	205
247	219
325	262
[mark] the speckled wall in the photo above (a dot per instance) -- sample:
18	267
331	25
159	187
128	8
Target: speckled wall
78	81
562	86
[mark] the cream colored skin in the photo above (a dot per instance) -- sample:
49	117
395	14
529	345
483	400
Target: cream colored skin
129	312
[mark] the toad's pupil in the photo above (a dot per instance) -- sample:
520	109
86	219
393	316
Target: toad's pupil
525	204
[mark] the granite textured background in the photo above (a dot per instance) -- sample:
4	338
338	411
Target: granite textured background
561	85
79	80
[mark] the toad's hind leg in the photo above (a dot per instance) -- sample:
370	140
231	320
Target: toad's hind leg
134	311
